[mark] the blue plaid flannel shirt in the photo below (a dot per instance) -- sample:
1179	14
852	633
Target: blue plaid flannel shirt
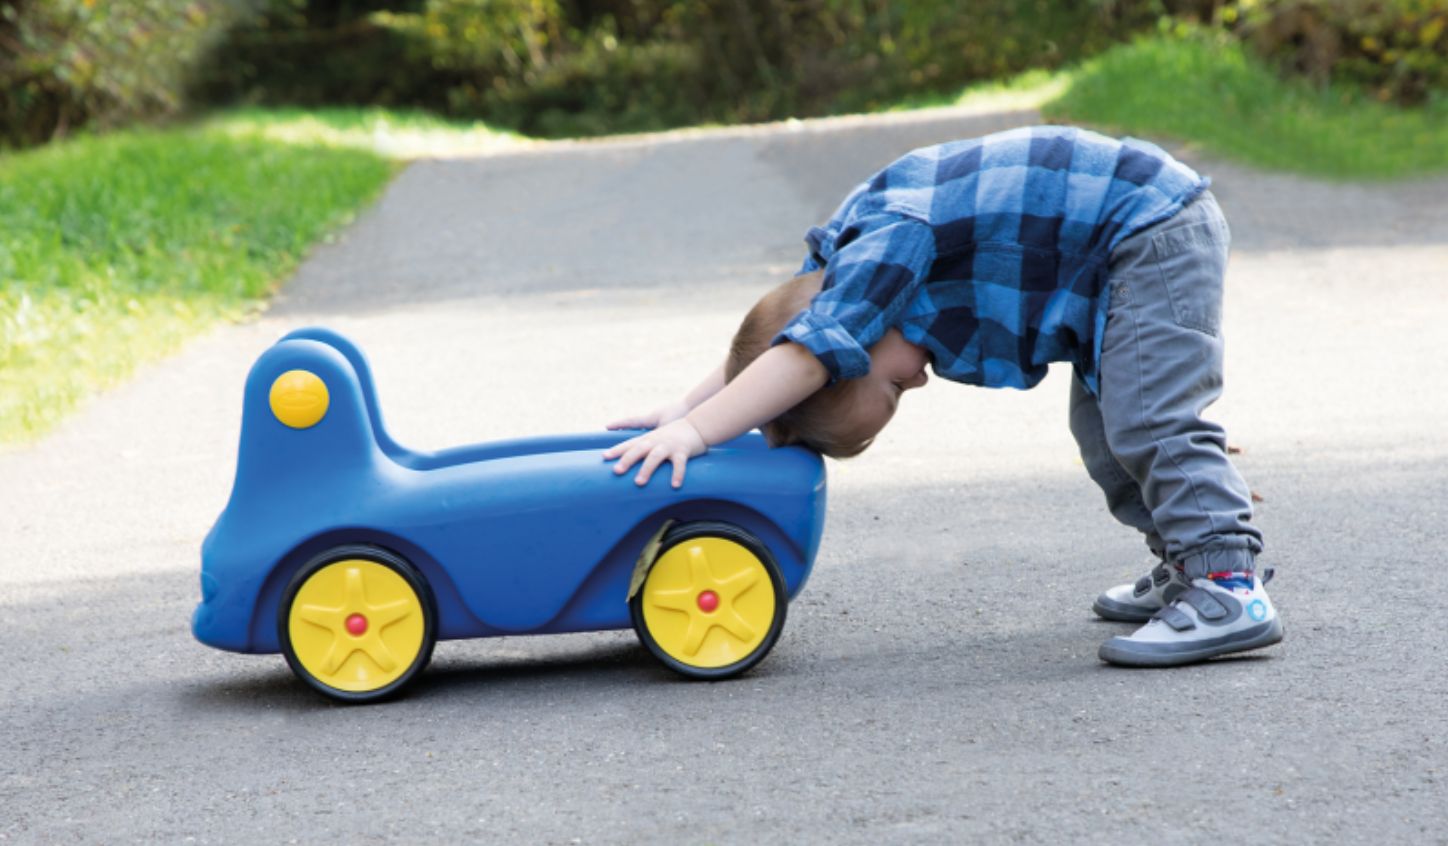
989	253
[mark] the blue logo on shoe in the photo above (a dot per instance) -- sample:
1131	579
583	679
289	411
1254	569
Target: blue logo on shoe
1257	610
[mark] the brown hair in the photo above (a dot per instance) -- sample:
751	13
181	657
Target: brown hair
822	421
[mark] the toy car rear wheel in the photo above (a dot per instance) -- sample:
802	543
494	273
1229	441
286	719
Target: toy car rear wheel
357	623
713	603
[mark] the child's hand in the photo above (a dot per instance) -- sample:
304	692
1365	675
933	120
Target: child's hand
667	413
674	442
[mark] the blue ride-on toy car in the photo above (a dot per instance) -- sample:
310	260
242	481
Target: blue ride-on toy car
352	555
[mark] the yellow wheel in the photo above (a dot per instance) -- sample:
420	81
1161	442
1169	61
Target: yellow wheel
357	623
713	603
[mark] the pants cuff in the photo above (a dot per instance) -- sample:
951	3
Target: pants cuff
1200	563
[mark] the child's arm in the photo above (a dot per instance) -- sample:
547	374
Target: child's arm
777	381
669	412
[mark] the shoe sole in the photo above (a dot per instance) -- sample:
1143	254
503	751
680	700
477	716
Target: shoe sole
1126	653
1119	612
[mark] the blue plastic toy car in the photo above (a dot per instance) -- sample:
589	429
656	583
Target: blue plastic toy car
352	555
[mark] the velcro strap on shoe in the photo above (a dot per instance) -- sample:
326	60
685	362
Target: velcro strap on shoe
1143	586
1208	607
1176	618
1160	574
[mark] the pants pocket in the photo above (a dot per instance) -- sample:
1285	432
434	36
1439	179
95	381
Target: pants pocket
1192	260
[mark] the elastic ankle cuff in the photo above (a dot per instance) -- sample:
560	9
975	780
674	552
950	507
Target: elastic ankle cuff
1199	564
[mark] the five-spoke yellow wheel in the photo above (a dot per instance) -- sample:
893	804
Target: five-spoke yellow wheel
357	623
713	603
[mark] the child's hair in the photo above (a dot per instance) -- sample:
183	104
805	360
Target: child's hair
822	421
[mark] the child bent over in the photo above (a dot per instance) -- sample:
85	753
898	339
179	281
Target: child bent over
988	259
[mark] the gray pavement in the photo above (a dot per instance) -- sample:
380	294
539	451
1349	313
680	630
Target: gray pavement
937	680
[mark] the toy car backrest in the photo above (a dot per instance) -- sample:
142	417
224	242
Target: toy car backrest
363	370
304	419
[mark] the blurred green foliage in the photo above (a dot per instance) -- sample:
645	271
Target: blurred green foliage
68	63
1397	49
317	53
566	67
556	67
582	67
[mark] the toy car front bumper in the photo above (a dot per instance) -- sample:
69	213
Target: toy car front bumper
205	628
212	626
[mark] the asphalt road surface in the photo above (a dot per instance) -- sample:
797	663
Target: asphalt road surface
937	680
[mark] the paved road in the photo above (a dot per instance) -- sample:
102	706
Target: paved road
937	681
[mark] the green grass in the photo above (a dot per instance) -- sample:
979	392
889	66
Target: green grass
114	250
1029	90
1209	92
1214	94
396	133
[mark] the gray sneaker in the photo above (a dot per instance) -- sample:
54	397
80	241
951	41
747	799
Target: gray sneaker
1208	619
1135	603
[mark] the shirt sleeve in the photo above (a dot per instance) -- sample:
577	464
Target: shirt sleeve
868	282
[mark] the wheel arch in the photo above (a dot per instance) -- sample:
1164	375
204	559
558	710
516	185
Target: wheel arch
791	555
448	605
600	602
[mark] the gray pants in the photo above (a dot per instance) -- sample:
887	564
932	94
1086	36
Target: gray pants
1163	467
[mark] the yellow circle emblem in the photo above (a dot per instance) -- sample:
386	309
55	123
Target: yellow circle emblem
299	399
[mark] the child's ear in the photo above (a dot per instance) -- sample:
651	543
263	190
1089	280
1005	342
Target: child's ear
778	433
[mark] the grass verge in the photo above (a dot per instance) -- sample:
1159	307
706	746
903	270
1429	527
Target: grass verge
113	250
395	133
1214	94
1208	91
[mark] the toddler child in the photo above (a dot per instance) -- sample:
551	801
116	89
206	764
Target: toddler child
988	259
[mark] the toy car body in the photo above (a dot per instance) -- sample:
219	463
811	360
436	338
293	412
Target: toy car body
352	555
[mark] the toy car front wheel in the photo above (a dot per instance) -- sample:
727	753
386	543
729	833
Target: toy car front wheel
713	603
357	623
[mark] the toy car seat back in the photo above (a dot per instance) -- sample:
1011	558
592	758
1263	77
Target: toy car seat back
304	425
363	371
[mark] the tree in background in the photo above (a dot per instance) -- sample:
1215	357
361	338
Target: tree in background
71	63
581	67
1396	48
556	67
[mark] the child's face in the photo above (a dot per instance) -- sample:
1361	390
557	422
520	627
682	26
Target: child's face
896	366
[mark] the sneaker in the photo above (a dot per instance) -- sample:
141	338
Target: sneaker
1135	603
1210	618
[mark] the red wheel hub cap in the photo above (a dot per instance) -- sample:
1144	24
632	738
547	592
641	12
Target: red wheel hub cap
708	601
